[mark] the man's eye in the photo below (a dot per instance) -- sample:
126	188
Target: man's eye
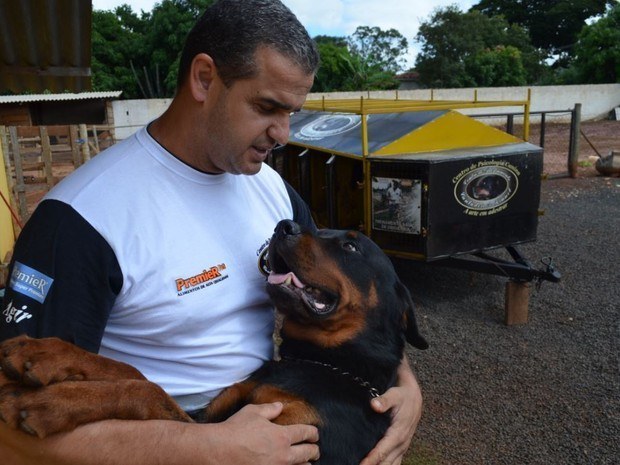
350	246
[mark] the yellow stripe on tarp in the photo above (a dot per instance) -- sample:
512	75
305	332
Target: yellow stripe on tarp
451	130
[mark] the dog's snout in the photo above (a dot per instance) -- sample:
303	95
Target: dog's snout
288	228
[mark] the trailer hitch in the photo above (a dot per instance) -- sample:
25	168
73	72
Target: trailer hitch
519	269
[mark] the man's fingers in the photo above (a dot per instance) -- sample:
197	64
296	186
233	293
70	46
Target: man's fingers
386	401
302	433
384	454
267	411
300	439
304	453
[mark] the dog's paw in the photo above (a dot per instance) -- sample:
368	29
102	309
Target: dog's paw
28	409
38	362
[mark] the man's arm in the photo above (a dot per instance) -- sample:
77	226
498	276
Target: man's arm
63	280
247	437
405	402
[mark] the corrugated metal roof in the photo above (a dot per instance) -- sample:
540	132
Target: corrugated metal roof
59	97
45	45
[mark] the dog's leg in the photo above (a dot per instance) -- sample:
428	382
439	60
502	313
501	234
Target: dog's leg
296	410
42	411
229	401
39	362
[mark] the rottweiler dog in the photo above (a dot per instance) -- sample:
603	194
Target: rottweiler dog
345	319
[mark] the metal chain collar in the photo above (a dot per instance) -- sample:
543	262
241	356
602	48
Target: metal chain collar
360	381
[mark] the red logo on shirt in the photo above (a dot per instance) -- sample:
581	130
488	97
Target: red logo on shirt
201	280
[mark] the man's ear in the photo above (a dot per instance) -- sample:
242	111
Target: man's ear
201	76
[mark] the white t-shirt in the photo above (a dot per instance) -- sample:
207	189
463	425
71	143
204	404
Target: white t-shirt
191	313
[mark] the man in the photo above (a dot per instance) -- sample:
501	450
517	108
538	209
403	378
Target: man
149	254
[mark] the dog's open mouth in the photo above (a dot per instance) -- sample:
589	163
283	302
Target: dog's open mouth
315	300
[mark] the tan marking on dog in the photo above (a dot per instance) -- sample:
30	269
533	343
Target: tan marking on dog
296	411
237	394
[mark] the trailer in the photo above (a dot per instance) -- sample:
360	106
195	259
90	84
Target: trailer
424	181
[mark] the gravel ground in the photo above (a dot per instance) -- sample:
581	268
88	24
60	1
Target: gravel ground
547	392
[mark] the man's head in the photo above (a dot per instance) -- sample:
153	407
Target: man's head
230	32
247	65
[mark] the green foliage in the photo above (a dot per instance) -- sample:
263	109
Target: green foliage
114	45
500	66
367	60
597	53
470	49
334	72
553	25
379	49
139	54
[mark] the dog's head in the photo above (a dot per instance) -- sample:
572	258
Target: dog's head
333	285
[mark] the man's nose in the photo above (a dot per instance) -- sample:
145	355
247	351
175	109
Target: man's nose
279	130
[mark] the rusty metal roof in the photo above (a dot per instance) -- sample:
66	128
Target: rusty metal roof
59	97
45	45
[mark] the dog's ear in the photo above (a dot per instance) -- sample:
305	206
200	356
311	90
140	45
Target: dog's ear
410	327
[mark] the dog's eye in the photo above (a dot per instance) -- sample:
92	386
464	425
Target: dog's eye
350	246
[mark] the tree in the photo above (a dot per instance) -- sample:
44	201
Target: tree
470	49
597	52
500	66
367	60
115	43
380	49
334	72
169	23
553	25
140	54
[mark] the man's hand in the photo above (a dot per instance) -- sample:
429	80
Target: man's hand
259	441
405	403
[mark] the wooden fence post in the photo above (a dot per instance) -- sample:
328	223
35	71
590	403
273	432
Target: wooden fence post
75	151
20	186
85	149
46	155
516	302
96	140
4	140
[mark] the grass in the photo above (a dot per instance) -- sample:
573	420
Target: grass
421	454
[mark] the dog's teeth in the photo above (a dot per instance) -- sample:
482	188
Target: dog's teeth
288	280
319	305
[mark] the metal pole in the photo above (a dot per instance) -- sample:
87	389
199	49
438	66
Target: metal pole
510	124
331	192
573	150
366	171
543	122
526	117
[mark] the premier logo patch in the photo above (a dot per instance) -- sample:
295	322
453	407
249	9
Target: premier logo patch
208	277
30	282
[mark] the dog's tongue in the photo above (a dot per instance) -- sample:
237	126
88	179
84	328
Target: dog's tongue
275	278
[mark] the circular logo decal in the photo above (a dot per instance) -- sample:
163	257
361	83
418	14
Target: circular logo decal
327	126
487	187
263	262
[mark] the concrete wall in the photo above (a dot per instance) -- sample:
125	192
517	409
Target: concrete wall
131	115
597	101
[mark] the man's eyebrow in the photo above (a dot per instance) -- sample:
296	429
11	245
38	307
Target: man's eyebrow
277	104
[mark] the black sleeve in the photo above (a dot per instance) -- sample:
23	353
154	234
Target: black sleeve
63	279
301	211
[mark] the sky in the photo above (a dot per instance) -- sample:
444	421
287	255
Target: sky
341	17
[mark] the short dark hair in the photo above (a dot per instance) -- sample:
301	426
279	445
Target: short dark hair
230	31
